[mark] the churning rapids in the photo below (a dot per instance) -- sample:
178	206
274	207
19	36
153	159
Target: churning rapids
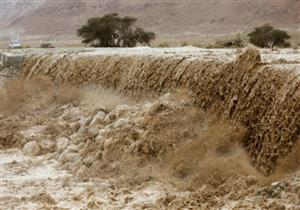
117	130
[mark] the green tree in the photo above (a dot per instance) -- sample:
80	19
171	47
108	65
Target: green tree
144	37
268	36
111	30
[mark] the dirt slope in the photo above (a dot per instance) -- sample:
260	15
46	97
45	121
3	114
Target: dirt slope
164	17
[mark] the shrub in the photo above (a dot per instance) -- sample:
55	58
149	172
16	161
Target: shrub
46	45
184	44
163	44
267	36
26	46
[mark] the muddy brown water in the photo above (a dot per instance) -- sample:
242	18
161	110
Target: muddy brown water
264	98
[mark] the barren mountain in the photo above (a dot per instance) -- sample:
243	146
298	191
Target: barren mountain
168	18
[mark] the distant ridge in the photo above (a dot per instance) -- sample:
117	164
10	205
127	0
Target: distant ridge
171	17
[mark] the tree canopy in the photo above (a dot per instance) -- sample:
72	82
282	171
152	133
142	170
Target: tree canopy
268	36
111	30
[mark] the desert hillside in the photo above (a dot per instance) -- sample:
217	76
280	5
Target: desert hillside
167	18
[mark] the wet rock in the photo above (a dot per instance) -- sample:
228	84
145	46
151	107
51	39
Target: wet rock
68	157
62	144
75	166
75	126
274	191
81	171
276	206
84	121
120	122
92	131
156	108
99	117
110	118
88	161
72	148
31	148
43	197
122	108
72	157
47	145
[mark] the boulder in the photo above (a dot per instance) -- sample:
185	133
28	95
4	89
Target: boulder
31	148
99	117
62	144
